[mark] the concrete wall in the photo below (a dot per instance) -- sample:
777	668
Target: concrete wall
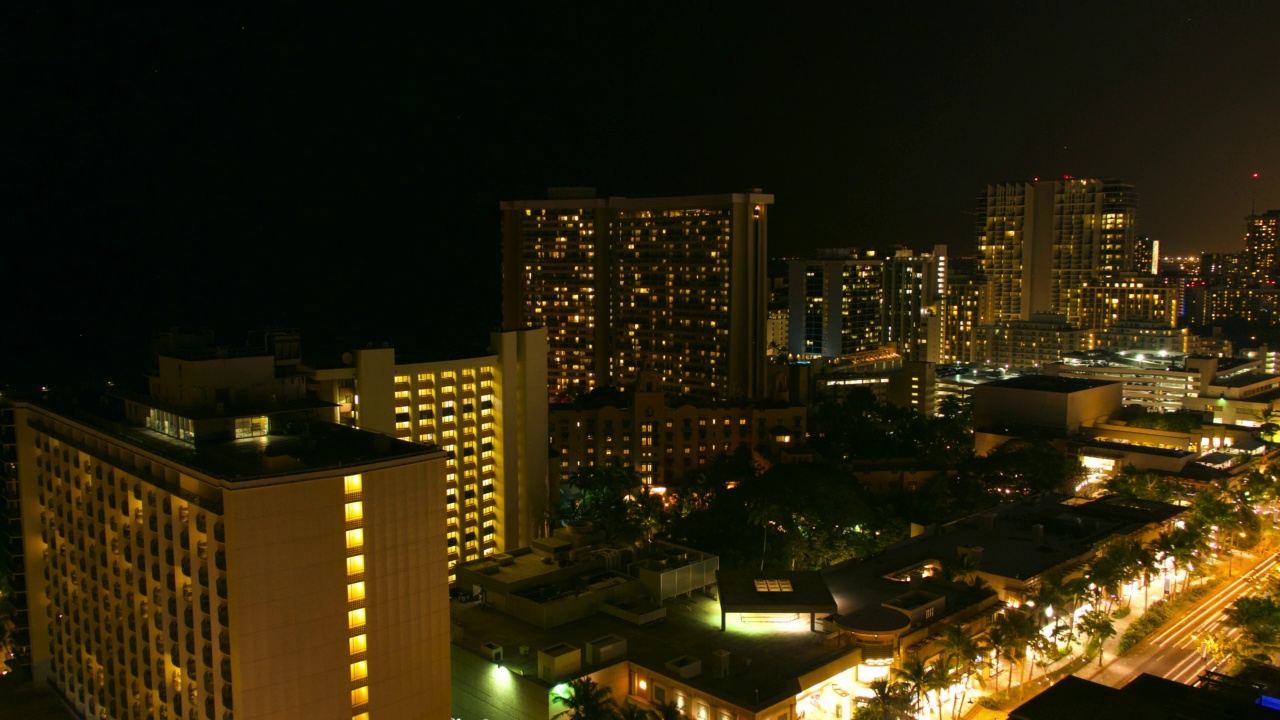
287	586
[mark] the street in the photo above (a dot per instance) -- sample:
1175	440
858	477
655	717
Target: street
1174	652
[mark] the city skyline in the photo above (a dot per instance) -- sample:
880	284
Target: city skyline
282	165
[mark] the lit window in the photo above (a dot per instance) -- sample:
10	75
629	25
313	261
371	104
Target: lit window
355	538
355	564
360	696
355	591
355	511
359	670
353	484
355	618
358	644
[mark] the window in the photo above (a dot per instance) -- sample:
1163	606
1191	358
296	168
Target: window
359	670
353	484
359	696
355	592
358	644
355	538
251	427
355	618
355	565
355	511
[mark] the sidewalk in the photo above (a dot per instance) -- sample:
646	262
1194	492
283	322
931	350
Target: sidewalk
1110	670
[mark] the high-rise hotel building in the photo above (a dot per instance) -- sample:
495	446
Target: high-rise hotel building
216	549
676	285
1261	259
488	414
1041	242
850	301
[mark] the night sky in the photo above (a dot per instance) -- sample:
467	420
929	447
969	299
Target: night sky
340	171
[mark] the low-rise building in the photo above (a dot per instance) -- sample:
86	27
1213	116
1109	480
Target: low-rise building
748	645
662	441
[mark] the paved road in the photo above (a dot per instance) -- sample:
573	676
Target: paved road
1174	651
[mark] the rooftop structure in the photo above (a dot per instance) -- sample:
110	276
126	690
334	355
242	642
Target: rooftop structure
1058	404
1148	697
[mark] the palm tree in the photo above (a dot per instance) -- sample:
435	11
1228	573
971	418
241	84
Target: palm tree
889	700
1099	626
1001	640
584	700
937	680
962	655
915	673
668	711
631	711
1145	559
1258	619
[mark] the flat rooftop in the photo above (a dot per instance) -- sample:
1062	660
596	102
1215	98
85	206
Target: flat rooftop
1010	546
763	656
314	446
1244	380
1048	383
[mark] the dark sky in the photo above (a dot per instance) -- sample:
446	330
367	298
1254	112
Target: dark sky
340	171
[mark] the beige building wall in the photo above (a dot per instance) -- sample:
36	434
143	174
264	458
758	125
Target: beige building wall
488	414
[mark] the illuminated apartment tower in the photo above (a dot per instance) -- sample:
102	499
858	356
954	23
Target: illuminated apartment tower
837	303
963	305
914	295
488	414
852	301
1040	242
215	549
676	285
1260	259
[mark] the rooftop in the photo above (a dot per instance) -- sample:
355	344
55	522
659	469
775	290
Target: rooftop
1011	546
1047	383
305	446
1147	696
764	658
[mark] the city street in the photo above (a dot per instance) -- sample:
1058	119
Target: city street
1174	652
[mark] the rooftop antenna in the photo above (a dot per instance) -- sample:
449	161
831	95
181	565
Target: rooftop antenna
1253	203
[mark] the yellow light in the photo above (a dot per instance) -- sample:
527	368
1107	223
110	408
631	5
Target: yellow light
358	644
355	538
355	511
355	618
355	565
359	670
360	696
644	685
353	483
355	591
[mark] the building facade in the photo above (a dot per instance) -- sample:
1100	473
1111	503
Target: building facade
1260	247
489	416
676	285
1041	242
215	547
850	301
662	442
1033	343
